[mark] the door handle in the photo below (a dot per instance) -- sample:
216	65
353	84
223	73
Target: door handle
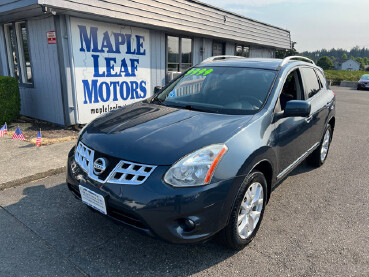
308	119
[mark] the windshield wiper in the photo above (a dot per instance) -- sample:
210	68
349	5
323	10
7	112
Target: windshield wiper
191	108
156	100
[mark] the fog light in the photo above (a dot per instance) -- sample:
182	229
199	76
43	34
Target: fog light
187	224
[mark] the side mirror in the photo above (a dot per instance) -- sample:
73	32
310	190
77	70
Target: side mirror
157	89
297	108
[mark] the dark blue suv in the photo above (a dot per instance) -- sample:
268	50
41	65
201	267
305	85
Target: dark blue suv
202	155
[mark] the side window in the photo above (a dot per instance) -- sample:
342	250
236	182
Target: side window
311	83
291	89
19	63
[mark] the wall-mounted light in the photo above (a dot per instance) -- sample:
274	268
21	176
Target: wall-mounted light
46	9
224	18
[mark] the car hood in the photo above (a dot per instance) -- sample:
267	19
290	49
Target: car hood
158	135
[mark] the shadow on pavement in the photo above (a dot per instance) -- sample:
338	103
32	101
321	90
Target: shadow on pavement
27	146
99	246
304	167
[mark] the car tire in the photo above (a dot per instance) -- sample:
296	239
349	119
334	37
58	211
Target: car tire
249	205
319	156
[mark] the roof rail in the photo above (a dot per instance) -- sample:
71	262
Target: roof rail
223	57
287	59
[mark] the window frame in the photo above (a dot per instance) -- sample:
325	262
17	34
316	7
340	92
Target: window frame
300	83
19	52
322	83
179	52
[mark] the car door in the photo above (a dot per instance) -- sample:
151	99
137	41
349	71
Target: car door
316	94
290	133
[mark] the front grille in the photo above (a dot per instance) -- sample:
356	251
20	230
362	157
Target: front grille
130	173
84	156
124	172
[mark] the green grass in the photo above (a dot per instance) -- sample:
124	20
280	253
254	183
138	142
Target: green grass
341	75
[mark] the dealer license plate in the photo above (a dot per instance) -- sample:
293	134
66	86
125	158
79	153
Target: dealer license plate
93	199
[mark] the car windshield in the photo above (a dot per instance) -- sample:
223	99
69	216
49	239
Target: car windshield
225	90
365	77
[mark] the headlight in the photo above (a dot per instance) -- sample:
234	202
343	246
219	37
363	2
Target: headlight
197	168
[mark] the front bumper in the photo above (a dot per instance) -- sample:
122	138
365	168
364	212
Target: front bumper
158	209
363	85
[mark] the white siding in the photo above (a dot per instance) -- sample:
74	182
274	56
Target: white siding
256	52
157	48
230	48
196	50
43	101
182	15
208	48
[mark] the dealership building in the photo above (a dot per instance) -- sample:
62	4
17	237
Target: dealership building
78	59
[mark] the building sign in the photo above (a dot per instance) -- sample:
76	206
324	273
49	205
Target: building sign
111	66
51	37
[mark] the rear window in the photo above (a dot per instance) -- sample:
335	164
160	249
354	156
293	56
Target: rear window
311	84
220	89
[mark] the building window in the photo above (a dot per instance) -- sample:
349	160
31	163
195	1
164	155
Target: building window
19	62
242	50
218	49
179	54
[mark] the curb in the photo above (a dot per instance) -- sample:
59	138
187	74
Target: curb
33	177
348	84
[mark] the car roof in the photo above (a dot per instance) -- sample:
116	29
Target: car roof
262	63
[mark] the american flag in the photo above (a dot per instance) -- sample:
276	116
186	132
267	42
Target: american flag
38	140
18	134
3	130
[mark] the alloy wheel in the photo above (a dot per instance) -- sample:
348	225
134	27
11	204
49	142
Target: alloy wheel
325	145
250	210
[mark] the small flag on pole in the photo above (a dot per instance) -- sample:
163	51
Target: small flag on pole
38	140
18	134
3	130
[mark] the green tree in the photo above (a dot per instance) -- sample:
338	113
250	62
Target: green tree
366	61
281	54
344	56
325	63
361	62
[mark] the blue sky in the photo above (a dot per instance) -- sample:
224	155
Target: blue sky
313	24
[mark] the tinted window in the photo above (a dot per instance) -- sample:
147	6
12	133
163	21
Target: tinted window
311	84
220	89
291	89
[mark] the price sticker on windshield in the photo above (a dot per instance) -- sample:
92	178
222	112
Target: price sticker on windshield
199	71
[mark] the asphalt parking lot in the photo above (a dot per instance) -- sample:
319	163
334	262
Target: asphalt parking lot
316	223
